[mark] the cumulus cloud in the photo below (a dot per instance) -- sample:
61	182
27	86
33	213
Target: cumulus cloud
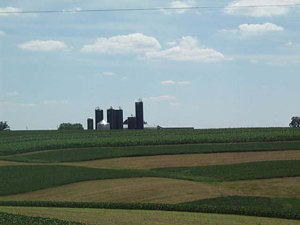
160	98
172	43
254	29
14	93
14	104
249	29
123	44
171	82
187	50
49	45
180	5
52	102
235	8
9	11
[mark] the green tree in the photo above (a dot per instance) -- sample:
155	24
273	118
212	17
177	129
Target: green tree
4	126
295	121
70	126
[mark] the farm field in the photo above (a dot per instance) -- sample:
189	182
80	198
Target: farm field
254	172
87	154
190	160
134	217
159	190
16	142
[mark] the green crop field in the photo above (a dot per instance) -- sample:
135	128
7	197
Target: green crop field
243	171
241	181
13	219
85	154
15	142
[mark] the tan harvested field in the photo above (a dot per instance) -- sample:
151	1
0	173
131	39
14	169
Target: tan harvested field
160	190
148	162
145	217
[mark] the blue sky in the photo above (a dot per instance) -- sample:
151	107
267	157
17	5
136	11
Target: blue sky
208	68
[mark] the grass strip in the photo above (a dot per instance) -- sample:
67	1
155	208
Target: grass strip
86	154
236	205
16	142
14	219
242	171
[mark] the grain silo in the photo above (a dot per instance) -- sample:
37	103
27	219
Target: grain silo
131	122
103	125
119	118
139	113
111	118
98	116
90	124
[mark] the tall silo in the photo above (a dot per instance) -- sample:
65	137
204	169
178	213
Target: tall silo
139	113
90	124
119	118
111	118
98	116
131	122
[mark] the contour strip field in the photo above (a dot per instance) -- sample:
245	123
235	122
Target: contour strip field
149	162
160	190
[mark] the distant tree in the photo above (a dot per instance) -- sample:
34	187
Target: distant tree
295	121
4	126
70	126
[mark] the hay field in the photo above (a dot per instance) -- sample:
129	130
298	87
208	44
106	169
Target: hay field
149	162
160	190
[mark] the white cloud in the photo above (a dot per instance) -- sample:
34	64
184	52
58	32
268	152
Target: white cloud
39	45
250	29
171	82
235	8
254	61
9	11
2	33
254	29
289	43
52	102
160	98
175	103
187	50
106	73
228	31
178	4
172	43
14	93
123	44
109	73
124	78
14	104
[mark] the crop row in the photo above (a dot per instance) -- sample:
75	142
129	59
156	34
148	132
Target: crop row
13	219
251	206
20	142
